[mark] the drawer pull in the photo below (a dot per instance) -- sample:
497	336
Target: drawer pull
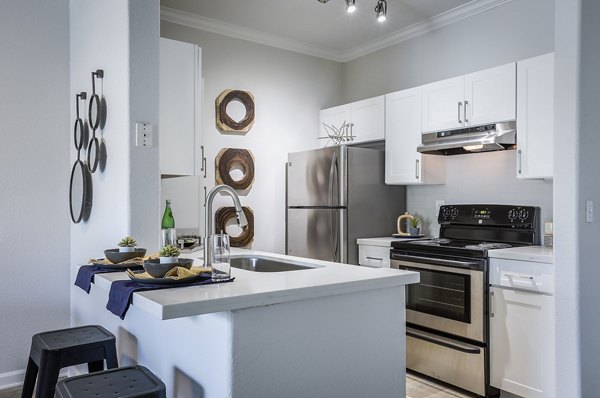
519	276
375	258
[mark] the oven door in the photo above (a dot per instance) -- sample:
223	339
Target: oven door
449	297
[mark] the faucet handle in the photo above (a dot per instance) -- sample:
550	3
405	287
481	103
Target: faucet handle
242	221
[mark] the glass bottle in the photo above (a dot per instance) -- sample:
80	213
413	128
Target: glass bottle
169	235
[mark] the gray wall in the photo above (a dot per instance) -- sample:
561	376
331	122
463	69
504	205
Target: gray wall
589	189
36	142
513	31
289	90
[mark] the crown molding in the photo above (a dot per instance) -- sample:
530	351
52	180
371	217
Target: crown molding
238	32
215	26
427	25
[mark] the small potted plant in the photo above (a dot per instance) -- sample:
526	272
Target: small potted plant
127	244
414	225
169	254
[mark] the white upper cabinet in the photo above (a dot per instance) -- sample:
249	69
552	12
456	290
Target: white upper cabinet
443	105
403	164
490	95
365	120
478	98
179	107
535	117
334	117
368	120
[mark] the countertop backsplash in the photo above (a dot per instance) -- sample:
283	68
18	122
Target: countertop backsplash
479	178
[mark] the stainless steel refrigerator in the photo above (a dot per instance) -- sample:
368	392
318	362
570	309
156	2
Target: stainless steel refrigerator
336	195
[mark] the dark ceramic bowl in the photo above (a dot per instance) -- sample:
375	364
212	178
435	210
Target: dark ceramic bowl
157	269
115	256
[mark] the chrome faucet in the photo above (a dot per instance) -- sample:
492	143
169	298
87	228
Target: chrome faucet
209	228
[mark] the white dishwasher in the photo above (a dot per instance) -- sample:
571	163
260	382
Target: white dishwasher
522	321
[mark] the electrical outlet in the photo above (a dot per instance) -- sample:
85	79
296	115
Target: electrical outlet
143	135
589	211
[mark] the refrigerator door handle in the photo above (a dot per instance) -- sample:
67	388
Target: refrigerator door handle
333	173
336	234
331	234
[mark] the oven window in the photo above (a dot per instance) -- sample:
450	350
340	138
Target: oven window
444	294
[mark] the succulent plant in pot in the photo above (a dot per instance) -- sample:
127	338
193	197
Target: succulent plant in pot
169	254
414	225
127	244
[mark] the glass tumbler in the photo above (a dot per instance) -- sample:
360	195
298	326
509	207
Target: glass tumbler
219	257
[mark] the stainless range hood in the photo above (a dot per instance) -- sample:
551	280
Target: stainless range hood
490	137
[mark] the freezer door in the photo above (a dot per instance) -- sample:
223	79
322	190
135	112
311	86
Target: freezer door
319	234
317	178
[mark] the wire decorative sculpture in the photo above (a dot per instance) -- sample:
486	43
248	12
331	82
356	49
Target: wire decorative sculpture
338	135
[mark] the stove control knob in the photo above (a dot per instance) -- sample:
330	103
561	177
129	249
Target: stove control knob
523	214
512	214
454	212
445	212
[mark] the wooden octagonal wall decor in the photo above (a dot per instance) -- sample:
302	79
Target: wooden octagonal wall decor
230	159
226	215
225	123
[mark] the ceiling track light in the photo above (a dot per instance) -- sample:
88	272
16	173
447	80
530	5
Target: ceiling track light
350	6
381	10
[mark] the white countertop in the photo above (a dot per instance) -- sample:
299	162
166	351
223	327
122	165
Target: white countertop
538	254
255	289
385	241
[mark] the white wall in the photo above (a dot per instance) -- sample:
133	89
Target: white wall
289	89
515	30
36	134
120	37
480	178
495	37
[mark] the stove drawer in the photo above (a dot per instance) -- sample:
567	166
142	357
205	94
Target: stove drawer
451	361
522	275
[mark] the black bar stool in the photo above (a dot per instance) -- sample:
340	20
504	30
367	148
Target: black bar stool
54	350
126	382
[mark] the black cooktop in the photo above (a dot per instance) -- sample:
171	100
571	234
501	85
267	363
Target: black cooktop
472	230
468	248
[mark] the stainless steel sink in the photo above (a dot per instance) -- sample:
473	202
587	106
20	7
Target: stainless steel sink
268	264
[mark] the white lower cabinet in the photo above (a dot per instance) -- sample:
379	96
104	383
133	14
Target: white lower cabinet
521	329
403	164
374	256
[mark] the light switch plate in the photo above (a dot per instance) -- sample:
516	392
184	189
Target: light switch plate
589	211
143	135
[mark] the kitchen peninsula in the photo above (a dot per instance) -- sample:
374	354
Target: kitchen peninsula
334	330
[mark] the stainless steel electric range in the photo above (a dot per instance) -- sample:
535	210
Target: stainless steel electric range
447	321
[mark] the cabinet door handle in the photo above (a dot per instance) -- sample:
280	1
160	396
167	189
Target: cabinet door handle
519	276
203	165
519	170
204	197
459	106
465	112
491	304
417	169
375	258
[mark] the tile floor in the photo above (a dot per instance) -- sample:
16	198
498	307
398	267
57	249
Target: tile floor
416	387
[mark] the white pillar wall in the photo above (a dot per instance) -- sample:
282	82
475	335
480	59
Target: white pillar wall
120	37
